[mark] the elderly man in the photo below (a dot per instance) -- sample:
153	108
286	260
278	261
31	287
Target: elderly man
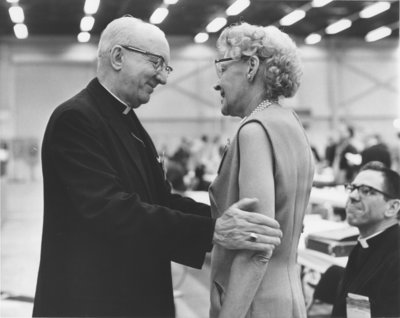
111	224
373	268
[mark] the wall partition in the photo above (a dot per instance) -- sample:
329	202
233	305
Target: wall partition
350	81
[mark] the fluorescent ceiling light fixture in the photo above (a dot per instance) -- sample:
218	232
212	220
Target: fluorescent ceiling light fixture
374	9
83	37
91	6
292	17
216	25
338	26
20	31
313	38
201	37
16	14
320	3
237	7
12	1
159	15
396	124
378	34
170	2
87	23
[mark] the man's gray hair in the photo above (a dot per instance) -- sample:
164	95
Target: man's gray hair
118	31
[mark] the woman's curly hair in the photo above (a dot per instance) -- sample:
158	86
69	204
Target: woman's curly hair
276	50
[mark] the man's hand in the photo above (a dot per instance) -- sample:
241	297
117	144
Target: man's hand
238	229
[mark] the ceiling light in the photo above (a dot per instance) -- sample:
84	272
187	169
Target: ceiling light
292	17
396	124
91	6
237	7
374	9
16	14
12	1
338	26
216	25
83	37
159	15
21	31
313	38
201	37
320	3
87	23
378	34
170	2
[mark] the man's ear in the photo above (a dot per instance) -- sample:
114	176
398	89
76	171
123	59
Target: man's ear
116	57
393	208
254	63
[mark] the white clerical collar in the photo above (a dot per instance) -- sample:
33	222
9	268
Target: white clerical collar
363	240
127	107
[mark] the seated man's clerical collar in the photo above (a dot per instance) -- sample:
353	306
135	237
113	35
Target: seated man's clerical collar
364	240
127	107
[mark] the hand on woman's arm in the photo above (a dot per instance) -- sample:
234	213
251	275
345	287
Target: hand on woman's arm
256	179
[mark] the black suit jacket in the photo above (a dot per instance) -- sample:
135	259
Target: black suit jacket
374	272
111	225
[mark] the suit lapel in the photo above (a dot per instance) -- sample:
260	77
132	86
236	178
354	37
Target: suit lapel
108	107
374	260
160	164
367	270
135	147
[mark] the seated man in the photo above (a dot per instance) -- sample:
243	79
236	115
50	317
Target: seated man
373	268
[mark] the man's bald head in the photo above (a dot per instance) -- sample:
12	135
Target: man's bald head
127	31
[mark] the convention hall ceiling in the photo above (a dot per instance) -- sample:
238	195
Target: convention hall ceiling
188	17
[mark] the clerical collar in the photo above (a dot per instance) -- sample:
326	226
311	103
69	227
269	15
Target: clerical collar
363	240
127	107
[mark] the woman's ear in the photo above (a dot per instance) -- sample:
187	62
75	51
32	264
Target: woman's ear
116	57
254	63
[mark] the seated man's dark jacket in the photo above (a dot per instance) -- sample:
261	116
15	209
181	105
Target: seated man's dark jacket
111	225
374	272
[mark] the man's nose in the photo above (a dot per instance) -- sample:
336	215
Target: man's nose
354	195
162	77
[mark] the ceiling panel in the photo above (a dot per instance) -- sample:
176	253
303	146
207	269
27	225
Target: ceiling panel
188	17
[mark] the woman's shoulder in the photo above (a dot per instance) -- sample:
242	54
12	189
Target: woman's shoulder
251	127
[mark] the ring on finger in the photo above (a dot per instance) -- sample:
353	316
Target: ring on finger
253	237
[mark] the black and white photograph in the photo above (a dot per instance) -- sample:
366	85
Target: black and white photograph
200	158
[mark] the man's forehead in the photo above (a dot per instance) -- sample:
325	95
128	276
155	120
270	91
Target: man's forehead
369	177
145	33
150	38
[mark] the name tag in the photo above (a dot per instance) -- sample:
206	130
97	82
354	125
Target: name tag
358	306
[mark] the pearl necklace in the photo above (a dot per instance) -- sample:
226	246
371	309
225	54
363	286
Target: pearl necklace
263	105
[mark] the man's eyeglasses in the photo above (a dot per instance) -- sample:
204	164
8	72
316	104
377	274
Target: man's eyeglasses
365	190
157	60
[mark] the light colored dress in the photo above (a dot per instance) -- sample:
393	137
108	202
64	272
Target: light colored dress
280	293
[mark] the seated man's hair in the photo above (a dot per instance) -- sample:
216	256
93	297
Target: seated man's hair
391	177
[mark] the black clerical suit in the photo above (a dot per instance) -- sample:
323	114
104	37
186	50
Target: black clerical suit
374	272
111	225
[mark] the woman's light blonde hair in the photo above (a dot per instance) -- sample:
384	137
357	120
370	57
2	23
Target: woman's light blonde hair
278	55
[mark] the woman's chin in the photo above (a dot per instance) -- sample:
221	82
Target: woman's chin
224	110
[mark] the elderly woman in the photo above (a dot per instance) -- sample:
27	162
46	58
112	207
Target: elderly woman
270	159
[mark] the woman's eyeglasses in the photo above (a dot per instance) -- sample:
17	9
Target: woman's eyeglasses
219	64
157	60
